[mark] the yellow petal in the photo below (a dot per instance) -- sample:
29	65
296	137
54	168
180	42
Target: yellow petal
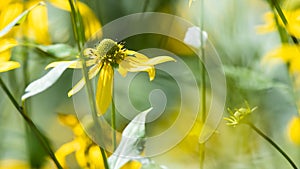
293	26
269	26
68	119
92	73
14	164
95	157
159	59
286	52
75	65
9	13
5	56
65	150
132	165
8	65
90	20
36	24
6	44
80	154
104	89
293	130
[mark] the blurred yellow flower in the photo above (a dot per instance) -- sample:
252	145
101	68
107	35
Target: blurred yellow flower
90	21
34	28
287	53
238	115
87	153
13	164
106	56
293	130
5	64
293	20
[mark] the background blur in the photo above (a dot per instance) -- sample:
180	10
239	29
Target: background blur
230	25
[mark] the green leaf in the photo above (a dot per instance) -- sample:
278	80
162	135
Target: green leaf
46	81
58	50
249	79
18	20
132	142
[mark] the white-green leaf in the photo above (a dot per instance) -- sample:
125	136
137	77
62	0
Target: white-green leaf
46	81
18	20
58	50
132	142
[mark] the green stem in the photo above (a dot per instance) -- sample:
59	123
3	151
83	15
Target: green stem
145	5
79	35
283	18
113	120
32	126
273	144
203	84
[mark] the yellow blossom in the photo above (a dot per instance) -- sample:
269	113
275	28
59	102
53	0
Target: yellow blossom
293	130
5	47
35	27
106	56
293	20
87	152
90	21
287	53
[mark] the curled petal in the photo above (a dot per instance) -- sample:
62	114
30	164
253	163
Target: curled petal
92	73
8	65
65	150
104	89
159	59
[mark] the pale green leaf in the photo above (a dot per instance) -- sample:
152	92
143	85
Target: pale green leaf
46	81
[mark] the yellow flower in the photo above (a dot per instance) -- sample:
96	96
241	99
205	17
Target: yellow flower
90	21
35	27
293	130
287	53
87	153
5	64
106	56
293	20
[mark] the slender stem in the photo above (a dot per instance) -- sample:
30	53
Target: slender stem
203	85
113	121
32	126
283	18
145	5
273	144
79	34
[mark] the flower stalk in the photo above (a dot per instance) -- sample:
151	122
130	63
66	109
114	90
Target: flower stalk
269	140
32	126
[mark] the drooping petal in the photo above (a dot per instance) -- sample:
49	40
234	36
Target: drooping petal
80	154
104	89
65	150
36	25
159	59
5	45
8	43
92	73
8	65
95	155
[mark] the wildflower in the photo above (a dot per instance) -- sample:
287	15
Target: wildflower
238	115
106	56
34	27
90	21
5	64
293	130
292	27
87	152
287	53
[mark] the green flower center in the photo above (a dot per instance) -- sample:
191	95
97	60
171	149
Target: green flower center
110	52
